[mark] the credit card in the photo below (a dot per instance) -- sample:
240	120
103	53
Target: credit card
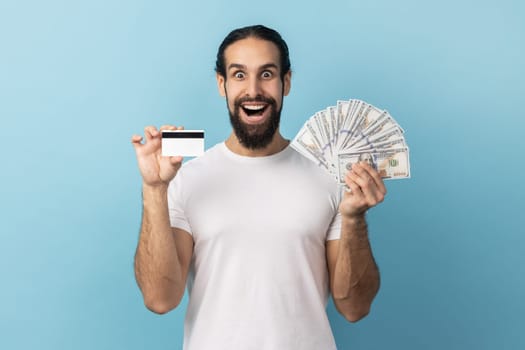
186	143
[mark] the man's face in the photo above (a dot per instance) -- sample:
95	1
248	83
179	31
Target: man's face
254	90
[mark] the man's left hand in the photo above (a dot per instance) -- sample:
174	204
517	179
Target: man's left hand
366	190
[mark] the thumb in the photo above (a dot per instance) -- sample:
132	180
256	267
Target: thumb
136	141
176	161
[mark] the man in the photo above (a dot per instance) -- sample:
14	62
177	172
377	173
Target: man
259	234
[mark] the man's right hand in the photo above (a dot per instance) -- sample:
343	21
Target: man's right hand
155	169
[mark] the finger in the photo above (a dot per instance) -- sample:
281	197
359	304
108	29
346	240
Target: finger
151	132
361	181
360	176
176	161
180	128
136	140
355	189
367	185
375	175
168	127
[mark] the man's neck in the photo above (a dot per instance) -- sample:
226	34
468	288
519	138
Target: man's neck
277	145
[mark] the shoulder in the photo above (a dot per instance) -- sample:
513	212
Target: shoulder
312	174
313	169
193	170
211	155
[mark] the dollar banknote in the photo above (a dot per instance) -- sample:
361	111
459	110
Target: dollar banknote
390	164
351	131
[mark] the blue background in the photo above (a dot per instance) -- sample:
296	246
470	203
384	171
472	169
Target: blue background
77	79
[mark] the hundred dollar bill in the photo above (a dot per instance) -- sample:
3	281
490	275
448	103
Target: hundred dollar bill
384	124
346	137
324	124
307	144
391	164
380	141
354	130
369	116
333	122
382	146
342	111
317	123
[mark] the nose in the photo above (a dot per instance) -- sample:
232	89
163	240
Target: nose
254	87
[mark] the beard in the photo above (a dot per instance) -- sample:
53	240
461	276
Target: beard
255	136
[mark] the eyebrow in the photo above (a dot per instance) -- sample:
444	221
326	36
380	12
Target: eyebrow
242	66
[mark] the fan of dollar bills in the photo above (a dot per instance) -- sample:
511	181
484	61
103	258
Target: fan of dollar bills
354	131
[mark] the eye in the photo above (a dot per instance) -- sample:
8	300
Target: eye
239	75
266	74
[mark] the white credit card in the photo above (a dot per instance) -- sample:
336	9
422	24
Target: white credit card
186	143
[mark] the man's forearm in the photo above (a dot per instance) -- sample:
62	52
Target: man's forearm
157	267
356	276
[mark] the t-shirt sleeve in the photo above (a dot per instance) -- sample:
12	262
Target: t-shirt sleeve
176	201
334	230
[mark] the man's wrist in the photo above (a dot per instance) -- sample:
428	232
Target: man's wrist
160	189
354	219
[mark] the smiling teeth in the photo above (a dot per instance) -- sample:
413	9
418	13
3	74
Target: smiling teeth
254	108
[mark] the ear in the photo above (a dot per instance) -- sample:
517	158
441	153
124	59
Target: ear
220	84
287	83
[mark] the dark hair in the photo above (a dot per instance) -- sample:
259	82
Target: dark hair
259	32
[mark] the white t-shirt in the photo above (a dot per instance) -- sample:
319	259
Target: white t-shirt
258	278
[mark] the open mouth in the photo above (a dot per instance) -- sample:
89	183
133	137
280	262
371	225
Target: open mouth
254	110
